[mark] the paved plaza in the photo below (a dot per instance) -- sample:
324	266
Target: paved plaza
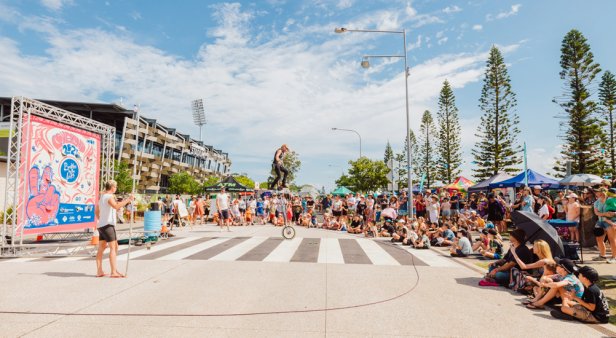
250	282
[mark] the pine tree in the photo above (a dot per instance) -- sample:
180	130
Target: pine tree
449	143
427	148
497	149
607	96
583	134
389	154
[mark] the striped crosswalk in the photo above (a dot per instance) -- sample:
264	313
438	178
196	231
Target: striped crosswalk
269	249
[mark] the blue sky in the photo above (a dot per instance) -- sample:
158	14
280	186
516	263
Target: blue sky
274	72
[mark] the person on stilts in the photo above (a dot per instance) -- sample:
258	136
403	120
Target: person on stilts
279	167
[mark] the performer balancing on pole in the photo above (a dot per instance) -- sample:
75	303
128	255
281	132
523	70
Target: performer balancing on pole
278	167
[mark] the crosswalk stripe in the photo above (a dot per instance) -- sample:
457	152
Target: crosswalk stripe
377	255
432	258
193	249
239	250
19	260
284	251
143	252
352	252
330	252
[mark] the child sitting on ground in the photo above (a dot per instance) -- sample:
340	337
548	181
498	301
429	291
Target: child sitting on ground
462	245
423	242
495	246
356	225
592	307
370	229
549	276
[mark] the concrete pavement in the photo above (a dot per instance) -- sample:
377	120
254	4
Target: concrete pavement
190	297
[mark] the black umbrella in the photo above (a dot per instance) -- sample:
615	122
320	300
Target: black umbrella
536	229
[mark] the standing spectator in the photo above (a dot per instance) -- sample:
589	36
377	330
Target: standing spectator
496	213
604	226
543	212
434	209
326	203
572	214
222	205
446	208
528	202
535	195
559	204
106	221
420	206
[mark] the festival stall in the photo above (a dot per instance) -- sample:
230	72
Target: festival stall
342	191
230	185
461	184
485	185
534	178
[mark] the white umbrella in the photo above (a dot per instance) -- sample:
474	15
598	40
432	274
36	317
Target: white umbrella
581	180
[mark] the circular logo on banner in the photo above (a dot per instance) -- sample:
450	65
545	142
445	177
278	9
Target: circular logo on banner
69	170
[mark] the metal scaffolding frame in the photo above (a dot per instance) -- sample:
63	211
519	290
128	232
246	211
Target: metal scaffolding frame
21	110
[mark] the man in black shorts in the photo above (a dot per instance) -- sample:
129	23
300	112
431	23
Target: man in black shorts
279	167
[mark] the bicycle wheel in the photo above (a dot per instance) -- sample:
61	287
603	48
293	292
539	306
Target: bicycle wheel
288	232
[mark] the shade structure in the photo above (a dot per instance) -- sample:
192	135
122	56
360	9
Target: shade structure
536	229
534	178
309	190
460	184
230	185
341	191
485	185
581	180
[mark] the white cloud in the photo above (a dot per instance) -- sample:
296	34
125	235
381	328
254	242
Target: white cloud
257	93
452	9
344	4
514	10
136	16
442	40
55	5
477	27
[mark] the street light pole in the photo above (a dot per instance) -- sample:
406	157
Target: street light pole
366	64
354	131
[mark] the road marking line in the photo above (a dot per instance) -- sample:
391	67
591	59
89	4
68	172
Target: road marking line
193	249
330	251
19	260
155	248
239	250
285	251
432	258
377	255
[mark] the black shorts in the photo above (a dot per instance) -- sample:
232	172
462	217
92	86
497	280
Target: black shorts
337	213
107	233
225	214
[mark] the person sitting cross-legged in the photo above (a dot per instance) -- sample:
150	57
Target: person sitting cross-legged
462	245
592	307
564	267
500	270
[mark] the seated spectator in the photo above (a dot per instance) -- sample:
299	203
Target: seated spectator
370	229
401	231
445	236
592	307
412	235
570	282
483	242
389	214
423	242
542	250
495	246
387	229
461	246
500	270
356	225
549	276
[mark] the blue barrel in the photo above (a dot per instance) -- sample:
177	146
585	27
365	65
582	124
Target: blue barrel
152	223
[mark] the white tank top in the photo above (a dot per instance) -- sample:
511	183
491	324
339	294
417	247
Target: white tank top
107	213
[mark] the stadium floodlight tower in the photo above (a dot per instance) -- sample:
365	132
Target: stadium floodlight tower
198	114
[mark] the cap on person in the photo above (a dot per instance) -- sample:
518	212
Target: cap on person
589	273
601	190
566	264
572	195
401	221
492	232
537	187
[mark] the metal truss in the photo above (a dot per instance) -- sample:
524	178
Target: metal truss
16	190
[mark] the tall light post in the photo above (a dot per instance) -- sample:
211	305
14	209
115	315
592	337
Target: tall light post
365	64
354	131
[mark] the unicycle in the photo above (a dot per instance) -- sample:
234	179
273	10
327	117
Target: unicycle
288	232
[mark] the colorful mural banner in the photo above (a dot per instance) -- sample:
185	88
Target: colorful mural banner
62	182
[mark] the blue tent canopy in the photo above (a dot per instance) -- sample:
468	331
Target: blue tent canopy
485	185
534	178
